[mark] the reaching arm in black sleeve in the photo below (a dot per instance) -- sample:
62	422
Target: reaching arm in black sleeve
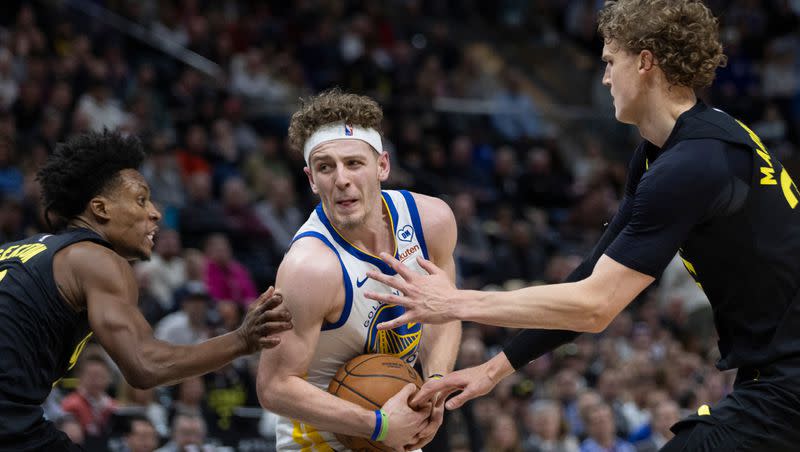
528	345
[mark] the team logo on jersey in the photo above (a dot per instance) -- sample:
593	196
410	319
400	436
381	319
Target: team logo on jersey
401	342
406	233
348	130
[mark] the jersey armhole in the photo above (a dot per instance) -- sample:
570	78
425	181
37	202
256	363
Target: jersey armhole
348	286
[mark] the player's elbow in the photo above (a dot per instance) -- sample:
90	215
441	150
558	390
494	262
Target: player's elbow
599	315
266	394
141	378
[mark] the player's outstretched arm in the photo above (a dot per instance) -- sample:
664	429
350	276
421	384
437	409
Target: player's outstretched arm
310	281
473	382
107	284
584	306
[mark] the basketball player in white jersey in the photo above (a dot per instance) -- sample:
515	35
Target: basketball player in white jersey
323	276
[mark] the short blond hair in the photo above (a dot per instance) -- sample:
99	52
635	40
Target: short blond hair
682	34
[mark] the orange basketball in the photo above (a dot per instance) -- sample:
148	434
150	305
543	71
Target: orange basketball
369	381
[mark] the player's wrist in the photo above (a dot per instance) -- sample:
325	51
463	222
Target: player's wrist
498	368
381	428
243	346
463	304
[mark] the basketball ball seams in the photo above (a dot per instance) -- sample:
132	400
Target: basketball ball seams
370	358
349	388
392	377
370	383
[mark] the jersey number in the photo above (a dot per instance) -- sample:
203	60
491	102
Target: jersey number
788	187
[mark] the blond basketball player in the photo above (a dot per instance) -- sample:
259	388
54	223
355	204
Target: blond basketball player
324	274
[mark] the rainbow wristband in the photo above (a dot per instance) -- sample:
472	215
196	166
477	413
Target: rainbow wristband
384	425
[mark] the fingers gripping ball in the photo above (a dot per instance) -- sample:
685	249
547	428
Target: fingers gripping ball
369	381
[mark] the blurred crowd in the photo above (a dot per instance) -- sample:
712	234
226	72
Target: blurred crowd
233	194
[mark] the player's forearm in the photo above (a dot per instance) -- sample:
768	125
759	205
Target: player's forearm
162	363
569	306
295	398
440	348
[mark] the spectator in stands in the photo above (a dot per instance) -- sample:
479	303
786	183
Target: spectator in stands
503	435
189	325
225	277
144	402
473	253
90	403
11	181
189	398
166	268
602	432
101	110
140	435
187	430
548	428
279	212
665	414
202	215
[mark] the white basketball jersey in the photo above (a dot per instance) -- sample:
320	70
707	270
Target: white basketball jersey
355	332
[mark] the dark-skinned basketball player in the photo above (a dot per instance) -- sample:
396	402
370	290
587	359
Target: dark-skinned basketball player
702	184
59	290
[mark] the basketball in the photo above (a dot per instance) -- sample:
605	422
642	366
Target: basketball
369	381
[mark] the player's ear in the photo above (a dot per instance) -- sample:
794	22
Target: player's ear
99	206
383	166
310	176
646	60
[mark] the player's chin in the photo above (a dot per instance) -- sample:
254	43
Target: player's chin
144	253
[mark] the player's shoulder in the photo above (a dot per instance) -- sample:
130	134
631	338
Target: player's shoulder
310	257
87	256
694	156
310	276
435	214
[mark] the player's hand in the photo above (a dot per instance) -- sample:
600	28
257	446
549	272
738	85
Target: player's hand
266	318
472	382
425	297
404	421
435	419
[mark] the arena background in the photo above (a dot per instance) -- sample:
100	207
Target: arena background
496	107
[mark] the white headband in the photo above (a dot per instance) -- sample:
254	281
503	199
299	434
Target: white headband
342	131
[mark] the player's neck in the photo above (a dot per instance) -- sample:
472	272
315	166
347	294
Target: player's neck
81	222
656	124
374	235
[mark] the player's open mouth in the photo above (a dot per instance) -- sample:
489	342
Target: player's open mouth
151	237
346	203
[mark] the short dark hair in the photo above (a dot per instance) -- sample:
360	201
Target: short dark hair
83	167
134	418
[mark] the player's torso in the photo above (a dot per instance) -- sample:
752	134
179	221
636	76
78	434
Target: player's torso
40	335
748	261
355	332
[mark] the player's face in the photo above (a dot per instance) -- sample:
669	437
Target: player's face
623	79
347	176
132	219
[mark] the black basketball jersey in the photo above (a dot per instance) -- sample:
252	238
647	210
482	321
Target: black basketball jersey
716	193
717	196
41	335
